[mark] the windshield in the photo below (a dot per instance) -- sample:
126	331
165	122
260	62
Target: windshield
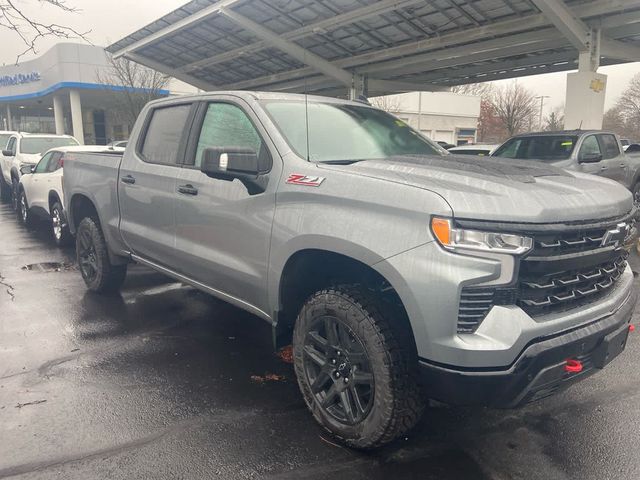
4	138
543	147
343	132
40	145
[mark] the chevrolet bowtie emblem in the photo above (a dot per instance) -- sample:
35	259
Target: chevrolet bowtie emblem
616	236
596	85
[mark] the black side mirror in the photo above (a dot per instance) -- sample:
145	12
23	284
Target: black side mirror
229	163
7	153
590	158
27	169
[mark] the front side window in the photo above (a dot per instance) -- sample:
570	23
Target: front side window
11	145
227	125
326	132
609	146
164	133
540	147
4	138
39	145
590	147
55	163
41	167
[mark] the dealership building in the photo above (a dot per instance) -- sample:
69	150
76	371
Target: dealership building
67	90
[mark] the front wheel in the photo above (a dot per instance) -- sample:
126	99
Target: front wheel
357	367
59	226
15	193
23	213
98	273
636	193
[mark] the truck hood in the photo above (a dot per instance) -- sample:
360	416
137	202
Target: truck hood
503	190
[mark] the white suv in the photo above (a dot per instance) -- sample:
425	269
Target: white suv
40	189
25	149
5	188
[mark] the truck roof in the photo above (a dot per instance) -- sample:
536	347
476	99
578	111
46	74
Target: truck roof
561	132
253	95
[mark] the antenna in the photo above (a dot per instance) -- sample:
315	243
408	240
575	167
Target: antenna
306	112
580	127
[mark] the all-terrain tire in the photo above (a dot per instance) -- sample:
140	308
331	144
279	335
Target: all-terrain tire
98	273
398	401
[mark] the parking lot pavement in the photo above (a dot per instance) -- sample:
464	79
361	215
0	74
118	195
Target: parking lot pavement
157	383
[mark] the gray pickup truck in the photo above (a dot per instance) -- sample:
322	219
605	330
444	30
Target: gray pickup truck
588	151
397	271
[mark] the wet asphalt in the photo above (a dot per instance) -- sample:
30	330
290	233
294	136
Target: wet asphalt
164	382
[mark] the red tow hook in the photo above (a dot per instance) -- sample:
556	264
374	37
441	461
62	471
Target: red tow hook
632	328
573	366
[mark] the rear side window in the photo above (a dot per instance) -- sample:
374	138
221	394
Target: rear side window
609	146
164	133
42	165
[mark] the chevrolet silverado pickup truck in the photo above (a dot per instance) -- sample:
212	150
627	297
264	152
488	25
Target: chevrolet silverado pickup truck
589	151
398	272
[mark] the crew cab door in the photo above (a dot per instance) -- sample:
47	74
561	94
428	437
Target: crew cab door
147	184
591	159
615	160
223	232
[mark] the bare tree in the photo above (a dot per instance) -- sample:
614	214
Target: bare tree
624	117
388	103
555	120
139	85
30	29
515	106
483	90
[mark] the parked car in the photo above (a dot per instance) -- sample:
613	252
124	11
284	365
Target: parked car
118	144
589	151
445	145
40	190
5	189
625	142
480	149
25	150
386	262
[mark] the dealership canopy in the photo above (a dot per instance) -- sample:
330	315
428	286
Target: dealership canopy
379	46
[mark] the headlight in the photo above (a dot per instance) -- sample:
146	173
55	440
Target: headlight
458	239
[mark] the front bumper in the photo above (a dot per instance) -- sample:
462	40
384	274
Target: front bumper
539	370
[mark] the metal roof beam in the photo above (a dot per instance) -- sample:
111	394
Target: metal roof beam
302	55
147	62
177	26
619	50
332	23
572	27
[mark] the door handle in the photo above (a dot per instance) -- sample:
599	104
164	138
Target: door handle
128	179
623	165
188	189
603	168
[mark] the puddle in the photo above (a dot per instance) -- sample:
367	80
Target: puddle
49	267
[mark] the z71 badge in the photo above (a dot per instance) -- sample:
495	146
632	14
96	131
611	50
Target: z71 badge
307	181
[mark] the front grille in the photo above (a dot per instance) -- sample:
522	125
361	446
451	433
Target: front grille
564	270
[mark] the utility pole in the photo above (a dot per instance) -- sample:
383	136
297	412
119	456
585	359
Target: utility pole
541	97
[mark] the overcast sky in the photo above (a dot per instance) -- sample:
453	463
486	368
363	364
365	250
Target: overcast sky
110	20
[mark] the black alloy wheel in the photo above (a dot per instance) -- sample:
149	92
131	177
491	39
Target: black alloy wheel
338	370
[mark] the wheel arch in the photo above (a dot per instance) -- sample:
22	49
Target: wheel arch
309	270
53	198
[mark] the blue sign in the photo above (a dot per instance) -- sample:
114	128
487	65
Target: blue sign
19	79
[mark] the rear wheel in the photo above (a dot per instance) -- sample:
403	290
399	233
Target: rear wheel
59	226
356	367
99	274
